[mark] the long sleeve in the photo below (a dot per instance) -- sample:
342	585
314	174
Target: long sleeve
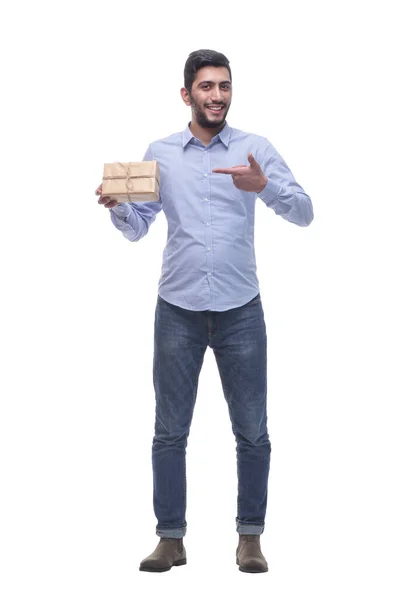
133	219
282	193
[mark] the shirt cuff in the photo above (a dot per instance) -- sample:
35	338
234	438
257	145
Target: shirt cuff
121	210
271	190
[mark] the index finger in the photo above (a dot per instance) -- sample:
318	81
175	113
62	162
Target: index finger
230	171
104	199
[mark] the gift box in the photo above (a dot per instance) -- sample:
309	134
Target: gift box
132	182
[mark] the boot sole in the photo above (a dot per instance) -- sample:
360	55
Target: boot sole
177	563
244	570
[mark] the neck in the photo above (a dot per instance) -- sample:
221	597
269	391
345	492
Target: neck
205	134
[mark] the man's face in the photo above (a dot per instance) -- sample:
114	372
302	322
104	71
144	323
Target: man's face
210	96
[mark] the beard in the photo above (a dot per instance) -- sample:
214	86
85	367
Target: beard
203	120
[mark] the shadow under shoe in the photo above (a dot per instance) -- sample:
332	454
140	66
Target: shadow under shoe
170	552
249	556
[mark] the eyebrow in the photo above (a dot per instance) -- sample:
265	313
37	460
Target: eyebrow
209	81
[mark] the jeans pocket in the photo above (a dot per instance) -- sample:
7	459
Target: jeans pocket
255	300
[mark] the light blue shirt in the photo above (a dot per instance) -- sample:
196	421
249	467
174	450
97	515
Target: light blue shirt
209	260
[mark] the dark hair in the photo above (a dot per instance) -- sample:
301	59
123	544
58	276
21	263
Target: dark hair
203	58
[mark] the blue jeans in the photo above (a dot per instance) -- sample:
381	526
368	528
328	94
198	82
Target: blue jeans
239	342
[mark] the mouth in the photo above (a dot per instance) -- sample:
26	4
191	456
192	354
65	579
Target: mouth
215	108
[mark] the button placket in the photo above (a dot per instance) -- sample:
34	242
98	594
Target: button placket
207	216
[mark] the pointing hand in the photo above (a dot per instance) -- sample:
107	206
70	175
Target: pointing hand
248	178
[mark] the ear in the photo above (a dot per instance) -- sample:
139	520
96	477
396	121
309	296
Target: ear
185	96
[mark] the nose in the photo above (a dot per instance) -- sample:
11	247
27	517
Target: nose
216	95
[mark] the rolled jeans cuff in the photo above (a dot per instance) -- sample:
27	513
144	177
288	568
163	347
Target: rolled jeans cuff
249	529
171	533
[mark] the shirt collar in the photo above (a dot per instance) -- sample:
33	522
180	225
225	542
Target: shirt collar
224	135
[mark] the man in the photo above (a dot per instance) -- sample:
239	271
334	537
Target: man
209	296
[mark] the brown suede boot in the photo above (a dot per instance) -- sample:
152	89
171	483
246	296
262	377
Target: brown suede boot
249	556
170	552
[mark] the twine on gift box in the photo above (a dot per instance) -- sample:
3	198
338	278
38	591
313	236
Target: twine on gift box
128	181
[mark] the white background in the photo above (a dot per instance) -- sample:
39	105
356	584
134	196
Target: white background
93	83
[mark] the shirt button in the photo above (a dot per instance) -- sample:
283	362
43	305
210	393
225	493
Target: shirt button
206	199
208	224
208	249
205	175
208	273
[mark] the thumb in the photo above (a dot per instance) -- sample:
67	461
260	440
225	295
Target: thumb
253	163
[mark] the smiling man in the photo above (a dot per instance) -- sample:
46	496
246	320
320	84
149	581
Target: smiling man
210	99
209	296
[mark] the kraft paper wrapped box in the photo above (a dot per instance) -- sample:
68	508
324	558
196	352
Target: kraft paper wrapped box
132	182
